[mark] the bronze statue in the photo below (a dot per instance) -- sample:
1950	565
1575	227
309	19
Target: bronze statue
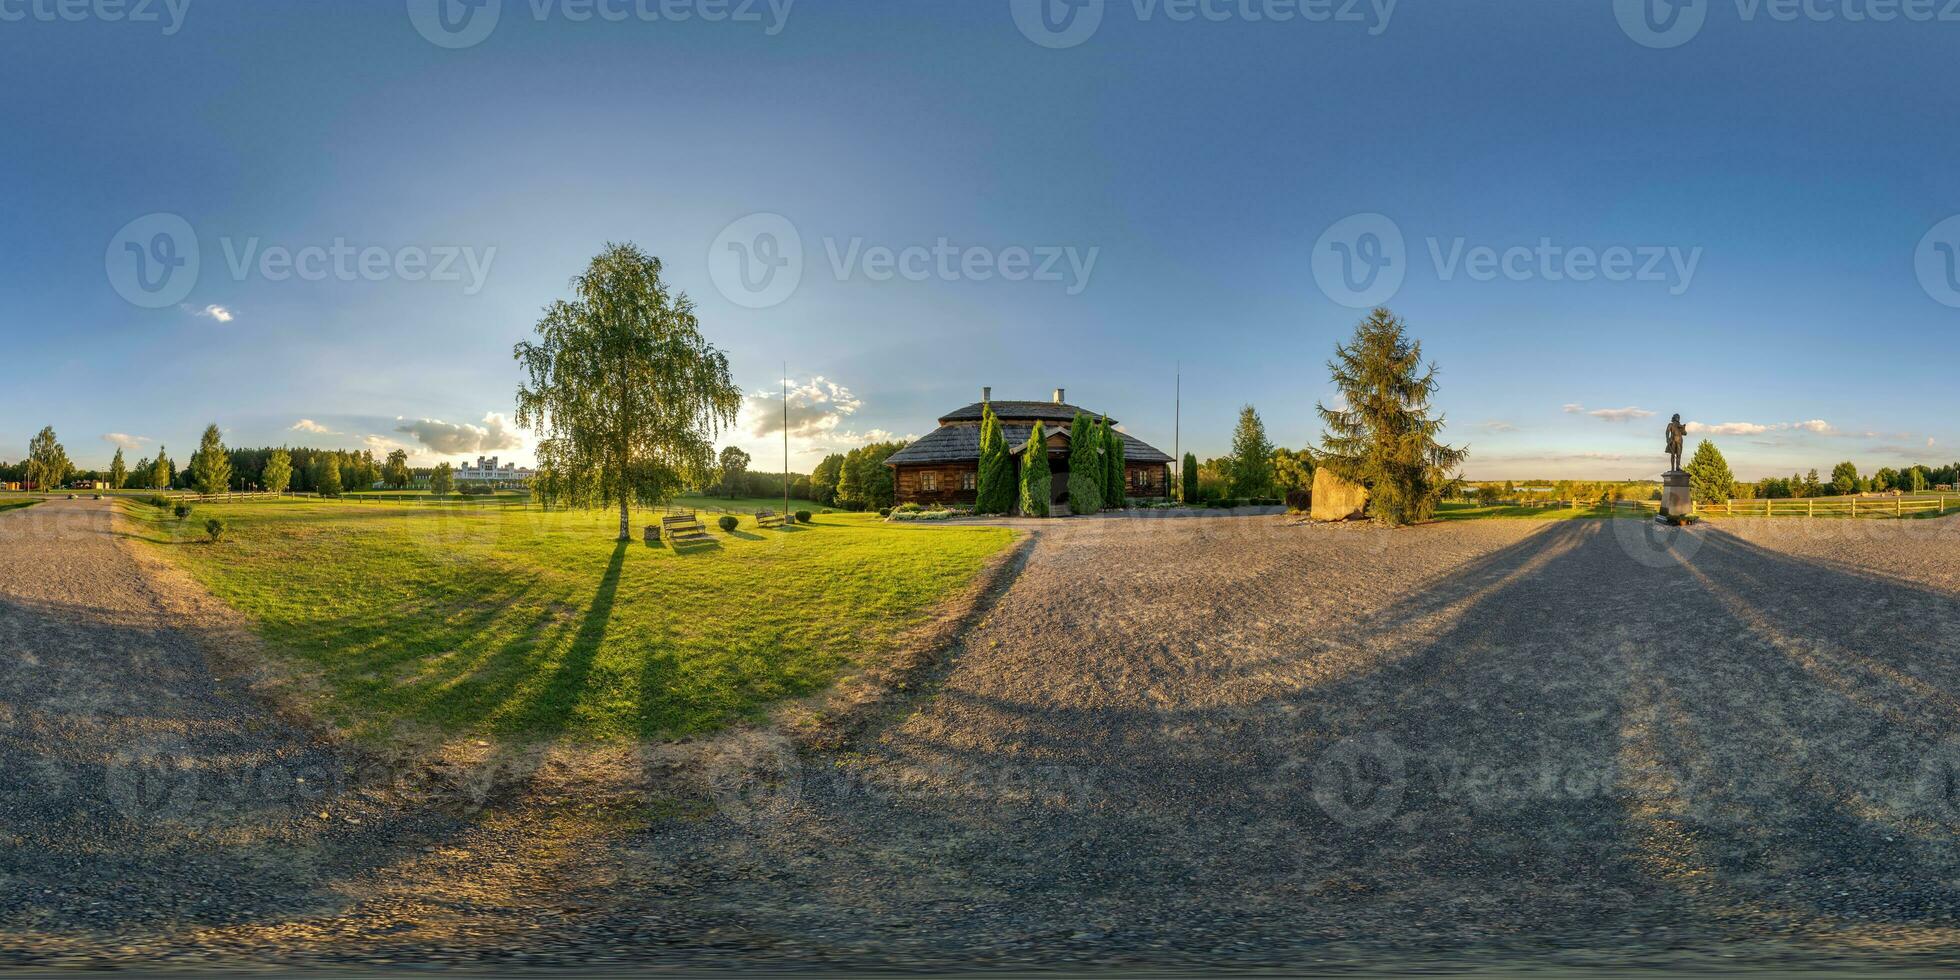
1676	432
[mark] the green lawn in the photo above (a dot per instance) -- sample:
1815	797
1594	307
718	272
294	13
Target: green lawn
486	617
1473	512
6	505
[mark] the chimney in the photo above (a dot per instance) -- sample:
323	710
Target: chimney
986	394
1061	395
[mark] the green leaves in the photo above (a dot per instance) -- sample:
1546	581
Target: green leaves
1380	433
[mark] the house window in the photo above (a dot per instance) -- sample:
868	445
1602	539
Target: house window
968	480
1137	479
929	482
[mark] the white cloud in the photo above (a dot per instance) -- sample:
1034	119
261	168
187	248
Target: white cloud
308	425
1572	408
816	409
1729	428
1497	426
222	314
1627	414
1818	426
124	440
456	438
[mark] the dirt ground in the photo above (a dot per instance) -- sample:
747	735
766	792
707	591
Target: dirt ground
1197	742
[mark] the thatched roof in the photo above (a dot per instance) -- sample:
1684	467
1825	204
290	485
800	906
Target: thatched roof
961	443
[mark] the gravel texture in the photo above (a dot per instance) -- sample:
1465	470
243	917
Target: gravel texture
1197	742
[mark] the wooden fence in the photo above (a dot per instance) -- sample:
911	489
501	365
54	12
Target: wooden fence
1899	506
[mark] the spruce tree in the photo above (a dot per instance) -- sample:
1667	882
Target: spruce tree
1035	474
1252	457
994	487
1085	467
1381	434
118	471
1113	490
1188	485
1709	479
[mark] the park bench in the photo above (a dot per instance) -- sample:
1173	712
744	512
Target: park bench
768	518
684	528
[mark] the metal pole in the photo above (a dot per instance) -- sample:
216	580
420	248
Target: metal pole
786	517
1177	432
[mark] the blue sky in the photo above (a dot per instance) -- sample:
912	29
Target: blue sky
1755	216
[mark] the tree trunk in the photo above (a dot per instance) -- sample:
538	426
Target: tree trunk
625	531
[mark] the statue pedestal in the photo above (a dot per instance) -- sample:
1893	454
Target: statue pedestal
1676	501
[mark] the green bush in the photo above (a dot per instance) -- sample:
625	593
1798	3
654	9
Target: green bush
884	512
214	529
160	502
908	508
182	511
727	522
854	506
803	516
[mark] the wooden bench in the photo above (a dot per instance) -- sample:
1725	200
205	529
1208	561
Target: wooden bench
768	518
684	528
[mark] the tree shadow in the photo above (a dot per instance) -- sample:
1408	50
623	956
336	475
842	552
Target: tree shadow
550	709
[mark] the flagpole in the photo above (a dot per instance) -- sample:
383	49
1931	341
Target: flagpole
1177	432
786	517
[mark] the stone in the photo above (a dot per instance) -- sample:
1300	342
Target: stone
1335	499
1676	501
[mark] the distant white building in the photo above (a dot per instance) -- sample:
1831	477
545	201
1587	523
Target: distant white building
489	470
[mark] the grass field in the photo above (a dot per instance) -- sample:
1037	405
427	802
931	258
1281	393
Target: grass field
1475	512
498	618
6	505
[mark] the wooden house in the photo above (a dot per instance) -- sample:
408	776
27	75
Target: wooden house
943	467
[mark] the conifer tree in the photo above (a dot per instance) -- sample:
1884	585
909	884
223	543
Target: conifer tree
1709	479
1380	434
1188	485
994	487
1085	467
1035	475
118	471
1252	456
278	473
1113	490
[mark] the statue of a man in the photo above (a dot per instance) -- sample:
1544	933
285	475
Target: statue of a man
1676	432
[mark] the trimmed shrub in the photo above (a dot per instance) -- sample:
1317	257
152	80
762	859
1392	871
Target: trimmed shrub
1113	490
994	488
727	522
214	529
1085	467
884	512
182	511
160	502
803	516
1299	500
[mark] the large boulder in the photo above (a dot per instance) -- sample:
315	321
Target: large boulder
1335	499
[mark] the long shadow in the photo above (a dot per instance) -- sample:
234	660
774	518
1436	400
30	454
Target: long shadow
550	708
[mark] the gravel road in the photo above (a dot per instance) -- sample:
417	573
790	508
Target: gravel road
1195	742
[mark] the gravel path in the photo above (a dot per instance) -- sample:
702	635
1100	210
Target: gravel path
1188	742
